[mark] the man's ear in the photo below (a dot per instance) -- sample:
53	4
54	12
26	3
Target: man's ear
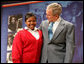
57	16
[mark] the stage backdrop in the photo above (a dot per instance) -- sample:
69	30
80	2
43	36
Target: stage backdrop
72	12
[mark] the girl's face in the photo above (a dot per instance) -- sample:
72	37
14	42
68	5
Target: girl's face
31	22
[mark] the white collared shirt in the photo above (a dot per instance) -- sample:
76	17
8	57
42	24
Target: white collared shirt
34	32
55	25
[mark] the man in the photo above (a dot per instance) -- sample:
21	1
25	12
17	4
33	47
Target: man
60	48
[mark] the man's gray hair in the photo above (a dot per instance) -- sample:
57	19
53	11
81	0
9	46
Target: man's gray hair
56	8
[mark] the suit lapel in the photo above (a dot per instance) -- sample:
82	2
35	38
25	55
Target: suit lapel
59	29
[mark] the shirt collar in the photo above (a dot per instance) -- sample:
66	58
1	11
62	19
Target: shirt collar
35	29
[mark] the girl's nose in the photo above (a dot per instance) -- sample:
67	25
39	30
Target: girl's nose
32	22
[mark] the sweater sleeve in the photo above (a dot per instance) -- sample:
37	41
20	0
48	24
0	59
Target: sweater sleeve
17	49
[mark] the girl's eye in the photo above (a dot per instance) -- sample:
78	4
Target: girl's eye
29	21
34	21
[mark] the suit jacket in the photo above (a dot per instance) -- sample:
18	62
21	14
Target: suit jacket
61	47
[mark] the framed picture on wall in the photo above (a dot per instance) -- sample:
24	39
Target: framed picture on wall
14	22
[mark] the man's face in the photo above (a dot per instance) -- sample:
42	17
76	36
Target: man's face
31	22
50	16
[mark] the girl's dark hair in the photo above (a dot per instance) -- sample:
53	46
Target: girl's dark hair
28	15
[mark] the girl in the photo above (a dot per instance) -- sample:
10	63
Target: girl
27	42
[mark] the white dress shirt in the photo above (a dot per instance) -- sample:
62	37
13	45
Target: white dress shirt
34	32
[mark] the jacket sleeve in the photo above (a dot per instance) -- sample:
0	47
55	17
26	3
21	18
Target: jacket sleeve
40	27
70	43
17	49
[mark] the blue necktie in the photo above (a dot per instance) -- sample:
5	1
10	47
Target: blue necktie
50	33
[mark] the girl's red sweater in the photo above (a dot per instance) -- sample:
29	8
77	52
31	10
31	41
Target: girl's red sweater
25	48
